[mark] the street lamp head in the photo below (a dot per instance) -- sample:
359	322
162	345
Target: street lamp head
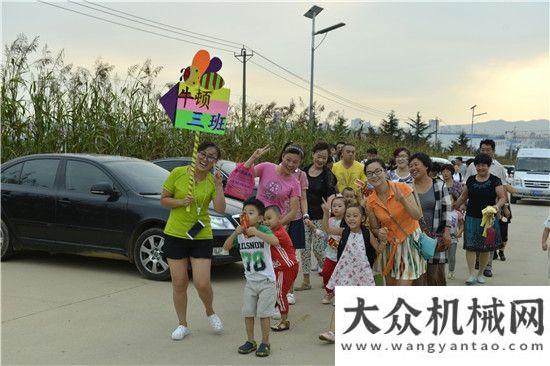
312	13
472	107
332	27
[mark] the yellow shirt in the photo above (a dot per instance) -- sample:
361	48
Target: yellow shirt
181	220
347	177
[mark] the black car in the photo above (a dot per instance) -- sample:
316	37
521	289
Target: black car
225	166
92	204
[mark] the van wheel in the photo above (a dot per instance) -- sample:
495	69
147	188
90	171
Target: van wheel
149	257
6	242
513	199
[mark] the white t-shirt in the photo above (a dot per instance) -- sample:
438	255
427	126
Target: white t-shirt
331	252
256	257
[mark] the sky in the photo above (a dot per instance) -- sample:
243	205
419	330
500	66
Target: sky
438	58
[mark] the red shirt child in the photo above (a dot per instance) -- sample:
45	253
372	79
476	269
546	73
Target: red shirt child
283	256
285	264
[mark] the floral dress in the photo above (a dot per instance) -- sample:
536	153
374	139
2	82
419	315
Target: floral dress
353	268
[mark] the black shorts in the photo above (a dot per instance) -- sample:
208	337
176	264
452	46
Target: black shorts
178	248
297	233
504	231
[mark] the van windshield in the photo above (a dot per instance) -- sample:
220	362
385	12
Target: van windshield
533	165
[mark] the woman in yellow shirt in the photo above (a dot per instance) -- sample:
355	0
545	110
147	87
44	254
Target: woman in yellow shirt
188	243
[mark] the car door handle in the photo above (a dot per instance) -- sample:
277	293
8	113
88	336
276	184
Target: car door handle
64	200
6	194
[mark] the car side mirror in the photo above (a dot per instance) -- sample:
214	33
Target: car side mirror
103	188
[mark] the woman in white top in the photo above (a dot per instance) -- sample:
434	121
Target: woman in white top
401	173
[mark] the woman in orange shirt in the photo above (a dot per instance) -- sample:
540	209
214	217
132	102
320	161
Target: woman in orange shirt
392	205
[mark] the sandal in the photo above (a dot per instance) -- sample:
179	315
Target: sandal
303	286
283	325
328	299
327	336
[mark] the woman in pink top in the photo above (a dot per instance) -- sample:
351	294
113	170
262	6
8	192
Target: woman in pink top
278	186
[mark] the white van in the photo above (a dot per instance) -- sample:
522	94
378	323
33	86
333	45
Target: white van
532	175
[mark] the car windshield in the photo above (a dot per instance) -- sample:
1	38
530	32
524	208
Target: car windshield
533	165
227	166
144	177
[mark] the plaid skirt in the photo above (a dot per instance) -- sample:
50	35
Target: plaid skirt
474	241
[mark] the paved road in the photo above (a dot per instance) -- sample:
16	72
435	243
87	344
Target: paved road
75	310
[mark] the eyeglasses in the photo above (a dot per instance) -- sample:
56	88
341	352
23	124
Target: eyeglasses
373	173
210	159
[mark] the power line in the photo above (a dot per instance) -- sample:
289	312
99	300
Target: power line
316	86
135	28
167	25
164	27
354	105
305	88
349	101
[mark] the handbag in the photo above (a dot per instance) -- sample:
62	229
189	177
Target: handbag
240	183
427	245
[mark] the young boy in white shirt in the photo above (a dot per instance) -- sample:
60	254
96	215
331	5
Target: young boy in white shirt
260	292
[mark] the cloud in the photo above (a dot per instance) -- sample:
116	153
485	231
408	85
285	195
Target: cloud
507	89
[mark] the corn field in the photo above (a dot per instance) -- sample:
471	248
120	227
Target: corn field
48	106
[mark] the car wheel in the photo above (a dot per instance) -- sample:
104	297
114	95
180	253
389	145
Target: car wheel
513	199
149	257
6	242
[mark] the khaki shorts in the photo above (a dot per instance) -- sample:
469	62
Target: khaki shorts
259	299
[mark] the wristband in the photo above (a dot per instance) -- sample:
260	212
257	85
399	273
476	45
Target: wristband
306	216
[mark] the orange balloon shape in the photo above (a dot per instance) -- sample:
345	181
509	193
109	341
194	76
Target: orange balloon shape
201	61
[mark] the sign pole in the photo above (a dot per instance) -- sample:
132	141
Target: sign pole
192	170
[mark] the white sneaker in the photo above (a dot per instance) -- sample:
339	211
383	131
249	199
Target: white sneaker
291	299
481	280
451	275
276	314
180	332
216	323
472	280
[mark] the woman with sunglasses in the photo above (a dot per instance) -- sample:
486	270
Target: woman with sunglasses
188	232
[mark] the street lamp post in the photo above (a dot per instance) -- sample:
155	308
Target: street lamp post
311	14
474	115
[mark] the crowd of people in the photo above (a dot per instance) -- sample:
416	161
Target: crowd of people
364	222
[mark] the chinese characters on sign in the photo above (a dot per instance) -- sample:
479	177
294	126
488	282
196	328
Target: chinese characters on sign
199	102
202	110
